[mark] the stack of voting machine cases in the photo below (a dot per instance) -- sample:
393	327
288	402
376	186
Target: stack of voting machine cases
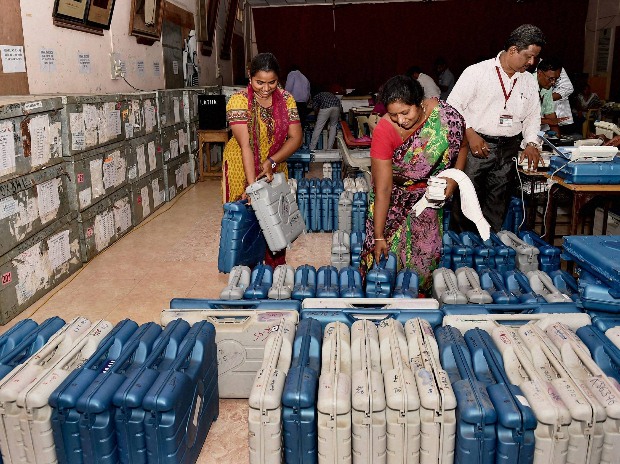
573	400
265	402
90	392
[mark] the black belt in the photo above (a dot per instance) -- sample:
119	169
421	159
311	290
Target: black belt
499	140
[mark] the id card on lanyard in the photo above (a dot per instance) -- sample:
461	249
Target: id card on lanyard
505	119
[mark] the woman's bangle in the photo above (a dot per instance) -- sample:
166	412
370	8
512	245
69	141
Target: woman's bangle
379	240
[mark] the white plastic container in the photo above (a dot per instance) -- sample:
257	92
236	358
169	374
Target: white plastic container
401	395
265	412
614	335
527	255
334	397
468	283
35	412
542	284
238	281
445	287
18	380
277	211
341	249
437	399
240	336
587	374
369	426
283	283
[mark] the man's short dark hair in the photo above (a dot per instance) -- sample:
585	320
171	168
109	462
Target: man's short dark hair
524	36
549	64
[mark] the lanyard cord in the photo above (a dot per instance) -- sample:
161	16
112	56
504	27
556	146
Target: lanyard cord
506	95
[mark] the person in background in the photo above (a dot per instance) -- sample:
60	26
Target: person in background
499	101
445	78
417	138
586	100
547	73
328	108
266	131
562	89
428	84
298	86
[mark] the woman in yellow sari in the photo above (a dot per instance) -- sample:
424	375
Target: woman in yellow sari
266	131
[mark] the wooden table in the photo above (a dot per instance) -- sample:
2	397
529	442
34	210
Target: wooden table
581	194
205	139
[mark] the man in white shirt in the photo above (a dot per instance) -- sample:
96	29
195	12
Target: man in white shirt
428	84
499	100
562	89
445	78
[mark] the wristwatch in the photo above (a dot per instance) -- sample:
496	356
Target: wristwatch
273	163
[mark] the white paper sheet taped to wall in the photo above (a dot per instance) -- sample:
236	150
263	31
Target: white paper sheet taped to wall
152	160
7	148
122	215
59	249
141	160
144	195
48	197
76	124
40	150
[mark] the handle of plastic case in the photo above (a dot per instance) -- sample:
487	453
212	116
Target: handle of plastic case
355	316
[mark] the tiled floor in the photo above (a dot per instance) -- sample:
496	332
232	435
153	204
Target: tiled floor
174	254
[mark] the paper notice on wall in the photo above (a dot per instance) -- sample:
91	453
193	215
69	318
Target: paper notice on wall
91	125
7	148
129	130
141	159
174	148
8	207
175	67
140	68
13	60
149	116
152	160
85	197
177	110
27	213
156	195
146	208
122	215
96	177
40	150
58	249
48	197
182	141
84	62
114	168
104	229
32	272
179	178
47	60
76	126
156	68
114	128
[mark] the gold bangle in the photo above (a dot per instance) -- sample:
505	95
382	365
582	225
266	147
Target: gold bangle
379	240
